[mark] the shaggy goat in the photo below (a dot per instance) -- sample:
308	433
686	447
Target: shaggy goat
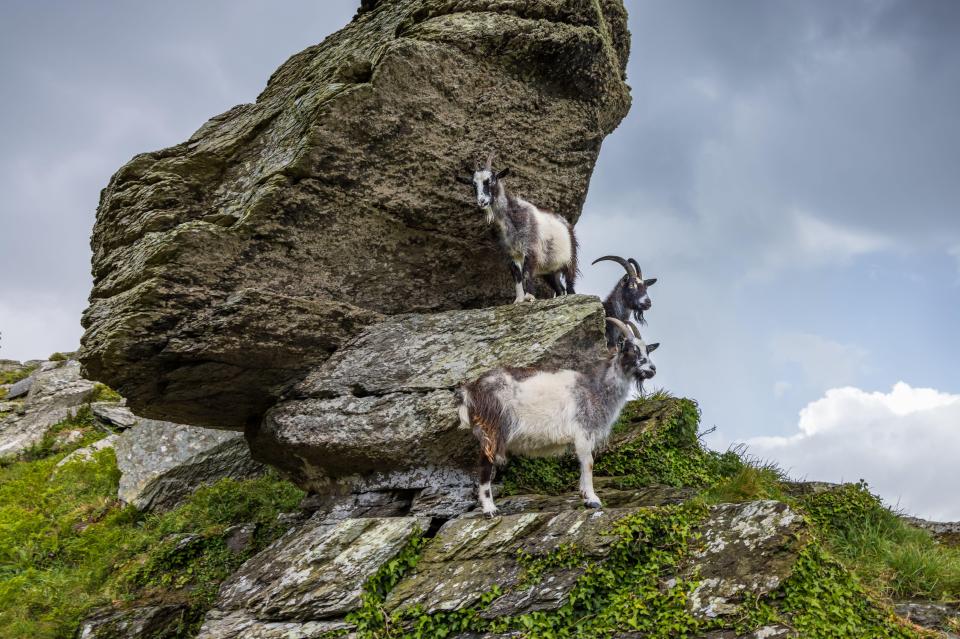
536	242
541	413
628	297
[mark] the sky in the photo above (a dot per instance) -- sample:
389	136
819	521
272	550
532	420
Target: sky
789	171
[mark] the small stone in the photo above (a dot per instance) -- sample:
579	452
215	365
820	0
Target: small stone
240	537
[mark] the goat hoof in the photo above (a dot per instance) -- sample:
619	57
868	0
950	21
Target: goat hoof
490	514
592	504
529	298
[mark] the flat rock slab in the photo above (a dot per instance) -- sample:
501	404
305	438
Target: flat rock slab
314	572
747	550
228	266
114	414
385	404
163	463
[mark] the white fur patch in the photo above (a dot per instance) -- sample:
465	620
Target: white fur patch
546	419
554	251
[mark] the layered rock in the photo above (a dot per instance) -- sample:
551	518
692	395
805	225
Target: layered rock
311	579
228	266
380	414
308	580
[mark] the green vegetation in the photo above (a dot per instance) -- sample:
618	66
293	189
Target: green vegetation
58	357
14	376
888	555
67	546
103	393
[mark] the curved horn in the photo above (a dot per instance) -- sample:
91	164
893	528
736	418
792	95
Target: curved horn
627	266
489	166
636	265
623	327
636	331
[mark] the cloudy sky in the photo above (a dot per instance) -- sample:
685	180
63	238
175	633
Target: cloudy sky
790	171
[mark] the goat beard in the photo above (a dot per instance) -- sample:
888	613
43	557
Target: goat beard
638	315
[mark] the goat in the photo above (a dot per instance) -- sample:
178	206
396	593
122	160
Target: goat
540	413
628	297
536	242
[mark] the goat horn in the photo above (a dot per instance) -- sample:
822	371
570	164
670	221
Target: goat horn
627	266
636	331
489	166
623	327
636	265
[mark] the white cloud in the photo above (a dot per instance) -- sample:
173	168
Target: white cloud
904	443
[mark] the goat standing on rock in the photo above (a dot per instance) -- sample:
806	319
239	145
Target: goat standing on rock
628	297
537	242
540	413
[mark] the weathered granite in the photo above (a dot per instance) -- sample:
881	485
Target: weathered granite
163	463
229	265
382	411
315	572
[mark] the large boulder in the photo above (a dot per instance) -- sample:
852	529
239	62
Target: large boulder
381	413
228	266
163	463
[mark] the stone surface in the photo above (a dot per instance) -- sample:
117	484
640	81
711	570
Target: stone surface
19	389
54	394
114	414
936	616
228	266
313	573
144	622
239	625
382	410
748	550
162	463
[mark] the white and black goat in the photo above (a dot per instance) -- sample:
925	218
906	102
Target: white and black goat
628	297
540	413
536	242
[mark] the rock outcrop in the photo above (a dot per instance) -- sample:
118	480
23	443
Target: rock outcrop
228	266
49	396
380	414
310	580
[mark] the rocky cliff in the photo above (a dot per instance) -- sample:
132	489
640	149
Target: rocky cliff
228	266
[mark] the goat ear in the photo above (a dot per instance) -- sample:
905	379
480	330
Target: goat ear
464	180
504	173
652	347
650	282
